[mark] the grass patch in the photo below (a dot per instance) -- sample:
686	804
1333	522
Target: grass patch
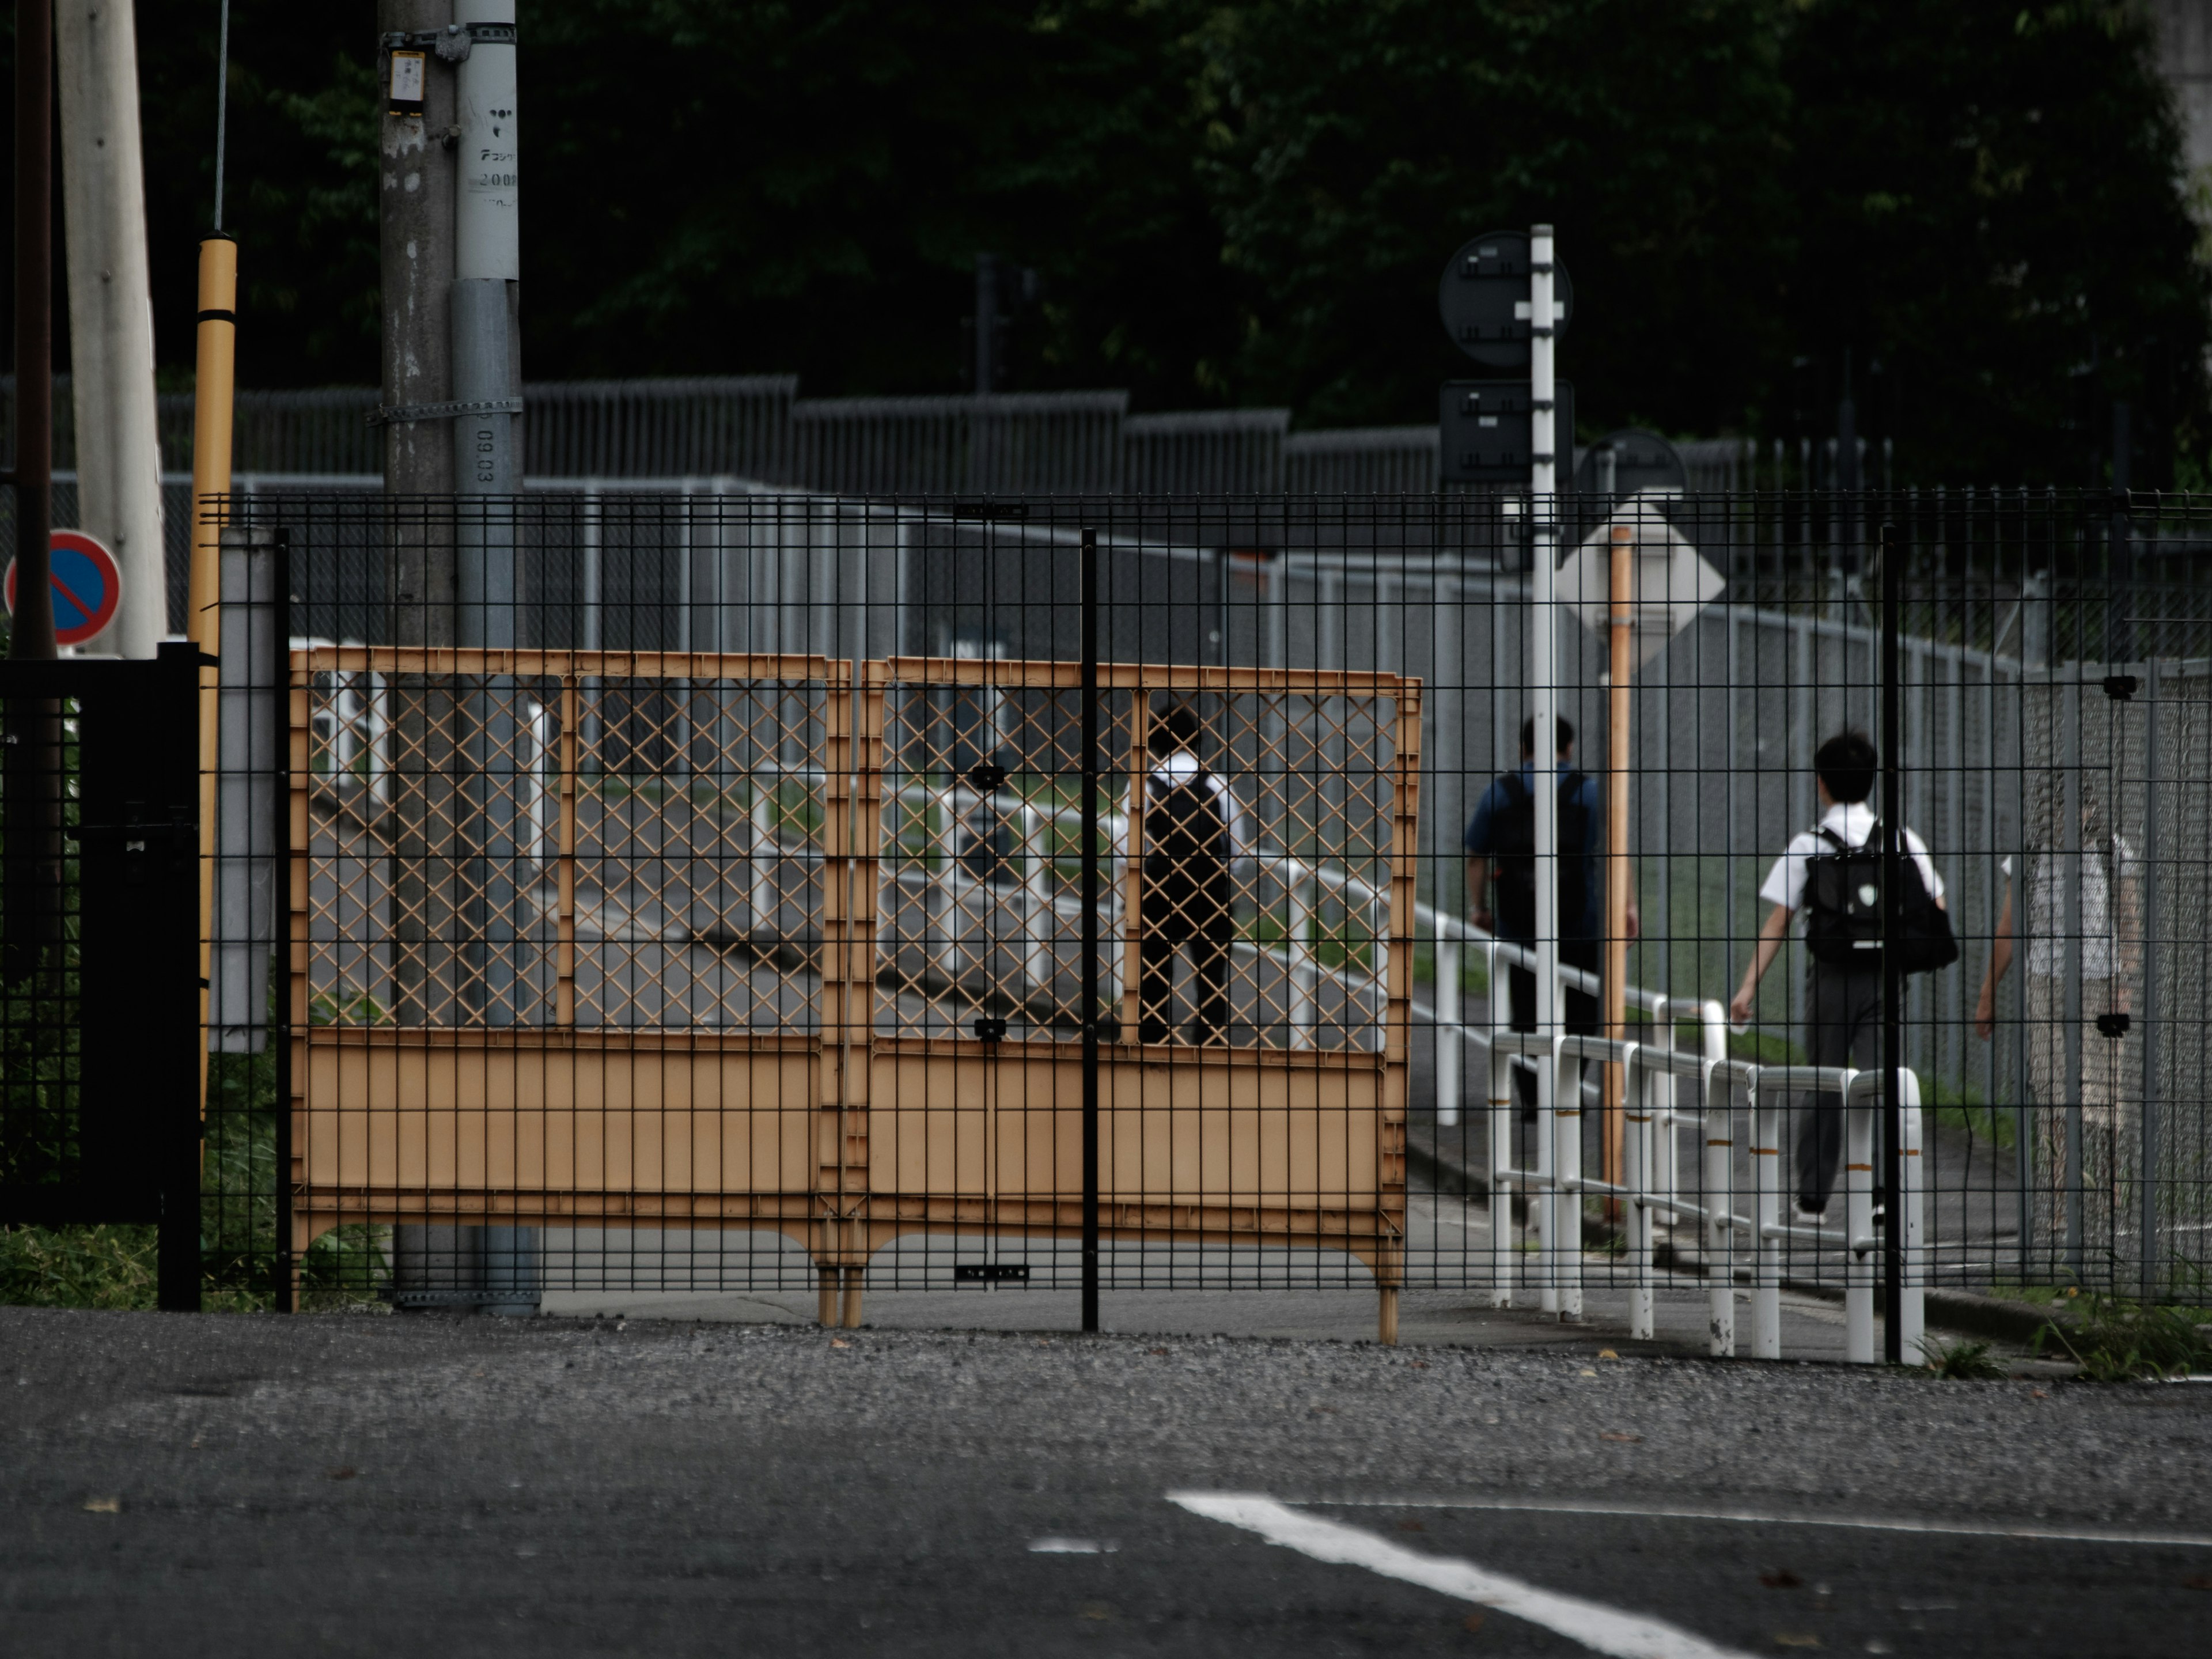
1330	950
346	1267
1472	981
108	1267
116	1266
2117	1341
347	1007
1962	1362
2036	1296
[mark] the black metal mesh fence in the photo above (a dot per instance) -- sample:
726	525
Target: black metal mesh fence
694	901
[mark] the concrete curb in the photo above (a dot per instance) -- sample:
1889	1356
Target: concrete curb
1988	1316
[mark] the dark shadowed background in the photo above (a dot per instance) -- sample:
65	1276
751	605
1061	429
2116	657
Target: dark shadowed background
1982	204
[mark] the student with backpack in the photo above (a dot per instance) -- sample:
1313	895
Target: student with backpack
1832	874
1501	850
1194	832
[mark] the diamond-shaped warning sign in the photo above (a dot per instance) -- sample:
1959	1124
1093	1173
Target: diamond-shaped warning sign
1673	581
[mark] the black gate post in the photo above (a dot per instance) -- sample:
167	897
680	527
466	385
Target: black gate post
1092	773
280	920
173	1099
1892	936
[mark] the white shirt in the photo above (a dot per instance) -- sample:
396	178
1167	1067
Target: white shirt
2046	928
1180	767
1854	822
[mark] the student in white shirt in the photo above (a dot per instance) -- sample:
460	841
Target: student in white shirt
2110	943
1842	1004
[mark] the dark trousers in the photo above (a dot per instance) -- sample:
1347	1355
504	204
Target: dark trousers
1578	1010
1202	921
1843	1027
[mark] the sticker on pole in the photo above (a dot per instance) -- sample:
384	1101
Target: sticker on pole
88	586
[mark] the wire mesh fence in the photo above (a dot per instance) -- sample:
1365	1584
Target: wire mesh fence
697	901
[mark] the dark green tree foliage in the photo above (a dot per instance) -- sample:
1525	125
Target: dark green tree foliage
782	187
1988	197
1351	145
1243	203
301	192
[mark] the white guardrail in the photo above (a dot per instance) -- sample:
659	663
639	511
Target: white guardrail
358	726
1651	1187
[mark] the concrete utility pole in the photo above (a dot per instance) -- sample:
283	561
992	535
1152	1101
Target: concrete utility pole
32	634
415	204
33	756
118	459
414	209
431	1265
452	377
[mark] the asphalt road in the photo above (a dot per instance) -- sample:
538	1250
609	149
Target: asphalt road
346	1484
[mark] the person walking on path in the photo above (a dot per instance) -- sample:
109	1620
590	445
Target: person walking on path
1194	835
2110	959
1843	1001
1501	851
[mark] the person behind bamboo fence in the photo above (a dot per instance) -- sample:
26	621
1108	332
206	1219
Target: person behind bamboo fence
2110	944
1195	838
1844	989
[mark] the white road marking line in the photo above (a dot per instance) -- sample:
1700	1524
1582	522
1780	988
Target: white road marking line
1600	1628
1766	1518
1073	1546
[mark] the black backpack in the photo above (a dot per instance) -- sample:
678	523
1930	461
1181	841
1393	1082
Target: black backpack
1186	833
1513	851
1843	910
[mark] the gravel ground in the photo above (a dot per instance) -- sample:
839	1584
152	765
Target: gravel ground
352	1483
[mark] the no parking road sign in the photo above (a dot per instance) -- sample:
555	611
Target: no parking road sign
88	586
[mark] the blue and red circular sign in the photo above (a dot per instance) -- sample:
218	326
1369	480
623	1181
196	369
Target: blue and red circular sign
88	586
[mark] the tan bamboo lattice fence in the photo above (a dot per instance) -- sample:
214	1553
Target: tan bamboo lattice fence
619	940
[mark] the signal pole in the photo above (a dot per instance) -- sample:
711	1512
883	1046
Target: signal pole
487	377
1562	1200
487	387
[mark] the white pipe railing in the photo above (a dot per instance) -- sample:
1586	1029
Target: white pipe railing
1646	1069
354	726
